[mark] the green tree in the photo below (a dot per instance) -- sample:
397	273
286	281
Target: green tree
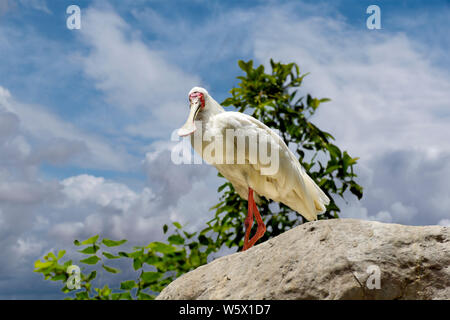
274	99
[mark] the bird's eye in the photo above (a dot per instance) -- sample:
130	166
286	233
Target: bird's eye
198	96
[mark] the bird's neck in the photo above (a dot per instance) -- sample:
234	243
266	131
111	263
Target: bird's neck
212	108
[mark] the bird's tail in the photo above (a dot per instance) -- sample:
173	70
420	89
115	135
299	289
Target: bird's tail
321	200
313	201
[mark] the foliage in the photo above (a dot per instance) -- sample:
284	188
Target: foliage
156	265
273	99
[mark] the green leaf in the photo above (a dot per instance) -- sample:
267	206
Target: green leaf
67	264
161	247
356	189
177	225
110	269
189	235
150	276
115	296
176	239
221	188
105	292
332	168
194	259
50	256
90	250
144	296
135	254
65	289
61	254
39	265
112	243
227	102
109	255
334	151
59	277
121	296
83	295
91	240
91	276
90	260
137	263
203	240
246	66
77	243
128	285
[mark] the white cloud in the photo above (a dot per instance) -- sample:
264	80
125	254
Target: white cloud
383	216
96	190
58	141
357	211
188	190
386	94
68	231
206	43
31	205
105	207
397	212
133	76
114	210
28	247
39	5
444	222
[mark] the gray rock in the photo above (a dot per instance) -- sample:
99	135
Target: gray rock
329	259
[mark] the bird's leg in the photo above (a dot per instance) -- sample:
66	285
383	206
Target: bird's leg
249	220
261	226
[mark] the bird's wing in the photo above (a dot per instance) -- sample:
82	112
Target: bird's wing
286	182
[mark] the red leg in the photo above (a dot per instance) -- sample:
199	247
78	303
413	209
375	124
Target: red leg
249	220
261	227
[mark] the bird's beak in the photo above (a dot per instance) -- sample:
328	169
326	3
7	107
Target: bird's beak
189	127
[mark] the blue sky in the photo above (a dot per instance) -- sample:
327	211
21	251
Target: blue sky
86	115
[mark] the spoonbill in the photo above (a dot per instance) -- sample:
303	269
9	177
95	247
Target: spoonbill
289	184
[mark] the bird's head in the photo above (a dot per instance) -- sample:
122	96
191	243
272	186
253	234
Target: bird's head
197	102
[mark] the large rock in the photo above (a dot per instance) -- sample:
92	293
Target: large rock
329	259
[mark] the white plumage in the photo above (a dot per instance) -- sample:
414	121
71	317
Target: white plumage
290	184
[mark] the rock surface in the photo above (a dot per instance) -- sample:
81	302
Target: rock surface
329	259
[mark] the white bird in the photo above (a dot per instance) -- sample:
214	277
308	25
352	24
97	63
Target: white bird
290	184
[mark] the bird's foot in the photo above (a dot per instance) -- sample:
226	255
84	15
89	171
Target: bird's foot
258	235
